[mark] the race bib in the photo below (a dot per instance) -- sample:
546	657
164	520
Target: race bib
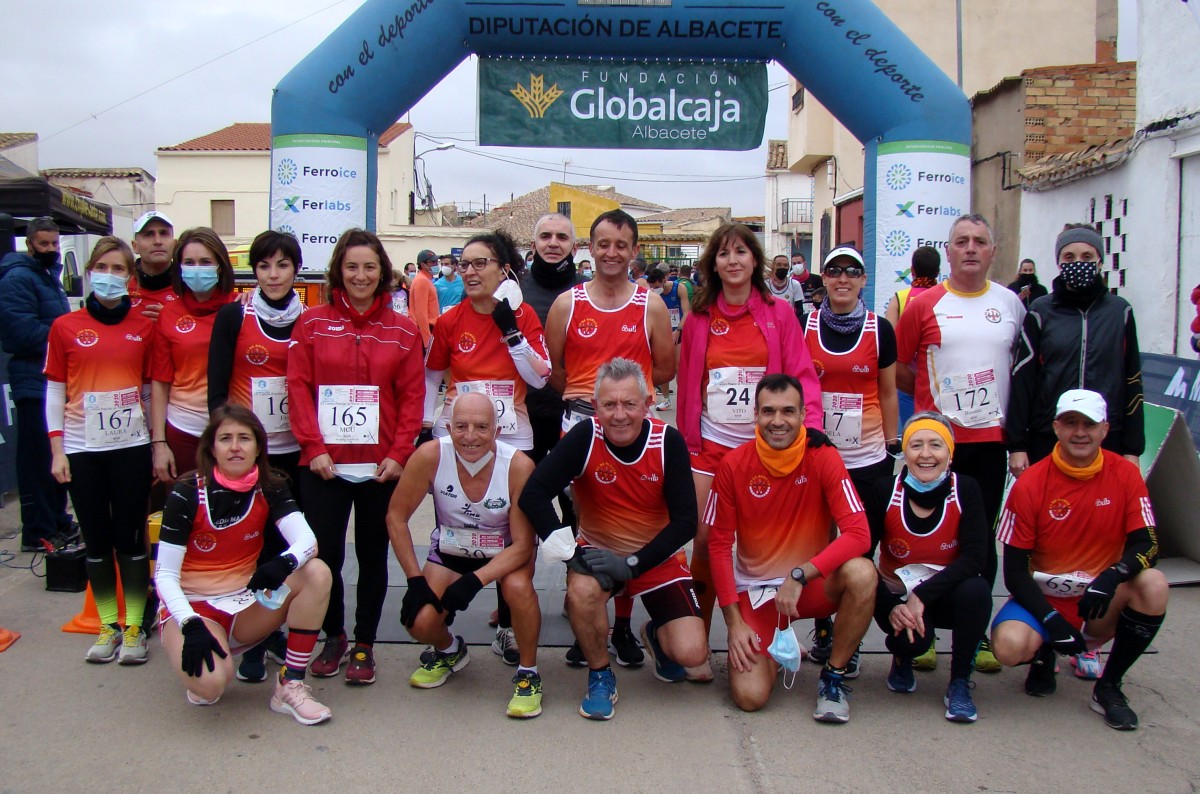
971	399
348	414
475	543
502	393
234	602
915	574
762	595
113	418
676	317
843	418
270	403
730	398
1062	585
575	414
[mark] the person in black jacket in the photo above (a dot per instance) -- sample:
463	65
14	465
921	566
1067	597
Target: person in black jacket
1027	286
1080	336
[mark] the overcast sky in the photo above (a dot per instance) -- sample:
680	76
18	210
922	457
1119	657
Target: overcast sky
86	77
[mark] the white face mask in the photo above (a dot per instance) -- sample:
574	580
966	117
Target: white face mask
797	270
447	271
511	290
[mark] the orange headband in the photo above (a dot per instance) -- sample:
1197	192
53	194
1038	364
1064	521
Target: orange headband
929	424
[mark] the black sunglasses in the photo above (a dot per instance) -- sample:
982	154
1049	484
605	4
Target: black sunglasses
833	271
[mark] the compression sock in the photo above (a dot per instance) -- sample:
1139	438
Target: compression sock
103	577
300	646
135	580
503	613
706	592
1135	631
623	611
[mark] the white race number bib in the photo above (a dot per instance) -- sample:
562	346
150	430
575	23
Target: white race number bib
233	603
915	574
730	398
348	414
270	403
502	393
1062	585
476	543
113	418
843	418
971	399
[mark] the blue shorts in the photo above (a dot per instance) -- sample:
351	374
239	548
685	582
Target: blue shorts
1014	611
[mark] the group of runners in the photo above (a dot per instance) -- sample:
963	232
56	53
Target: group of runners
271	423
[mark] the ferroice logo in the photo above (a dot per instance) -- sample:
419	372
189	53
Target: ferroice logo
536	99
286	171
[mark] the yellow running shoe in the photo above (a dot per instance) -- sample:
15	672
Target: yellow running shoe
985	660
526	701
927	660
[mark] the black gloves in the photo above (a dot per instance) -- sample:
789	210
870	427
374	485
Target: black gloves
505	318
578	565
458	595
1064	638
602	561
818	439
426	434
416	596
199	645
270	574
1094	603
895	449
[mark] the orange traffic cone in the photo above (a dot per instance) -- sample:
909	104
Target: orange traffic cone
7	638
88	620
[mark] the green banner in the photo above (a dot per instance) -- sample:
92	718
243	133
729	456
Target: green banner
621	104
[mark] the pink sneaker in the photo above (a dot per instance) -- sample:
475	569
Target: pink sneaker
295	697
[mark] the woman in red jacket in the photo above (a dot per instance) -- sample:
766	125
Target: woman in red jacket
736	333
356	387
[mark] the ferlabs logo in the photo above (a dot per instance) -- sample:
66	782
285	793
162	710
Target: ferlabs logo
290	204
286	171
905	209
898	177
536	99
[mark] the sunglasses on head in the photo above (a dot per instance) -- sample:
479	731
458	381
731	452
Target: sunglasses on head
853	271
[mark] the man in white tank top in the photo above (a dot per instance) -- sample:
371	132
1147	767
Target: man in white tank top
481	537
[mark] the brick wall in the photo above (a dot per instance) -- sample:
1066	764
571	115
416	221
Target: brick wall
1070	108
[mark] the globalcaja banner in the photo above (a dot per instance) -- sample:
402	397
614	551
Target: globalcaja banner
922	186
621	104
318	190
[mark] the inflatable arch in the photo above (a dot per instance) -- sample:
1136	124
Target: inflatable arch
329	110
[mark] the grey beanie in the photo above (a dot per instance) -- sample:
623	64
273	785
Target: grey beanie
1080	234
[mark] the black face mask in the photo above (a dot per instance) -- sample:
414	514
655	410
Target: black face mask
1026	279
781	273
568	263
46	258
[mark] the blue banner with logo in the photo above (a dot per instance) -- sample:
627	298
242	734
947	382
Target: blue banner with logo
1174	383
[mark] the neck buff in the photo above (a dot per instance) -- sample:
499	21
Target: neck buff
477	466
1077	472
1026	279
924	282
241	484
277	313
728	309
203	308
781	462
850	323
104	314
553	276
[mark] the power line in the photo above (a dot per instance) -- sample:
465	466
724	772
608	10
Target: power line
169	80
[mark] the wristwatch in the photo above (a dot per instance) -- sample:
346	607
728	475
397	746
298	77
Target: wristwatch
514	339
632	561
798	575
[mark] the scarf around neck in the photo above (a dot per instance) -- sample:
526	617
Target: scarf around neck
1077	472
781	462
849	323
274	314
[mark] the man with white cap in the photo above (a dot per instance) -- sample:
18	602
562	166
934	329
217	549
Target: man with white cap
153	242
1079	550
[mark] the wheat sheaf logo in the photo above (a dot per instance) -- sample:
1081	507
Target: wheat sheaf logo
536	99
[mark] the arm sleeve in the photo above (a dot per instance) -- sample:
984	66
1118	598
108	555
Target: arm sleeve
1020	584
680	496
552	476
887	343
973	538
56	403
1133	428
875	504
854	538
302	543
1026	371
535	338
520	355
21	327
226	327
433	387
178	515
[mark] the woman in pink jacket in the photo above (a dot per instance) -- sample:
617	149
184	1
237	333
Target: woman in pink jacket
736	333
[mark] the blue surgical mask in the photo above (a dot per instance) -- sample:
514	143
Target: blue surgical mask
587	272
925	487
199	278
109	286
785	650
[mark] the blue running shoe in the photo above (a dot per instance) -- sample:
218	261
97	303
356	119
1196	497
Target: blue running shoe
601	695
665	668
959	705
900	677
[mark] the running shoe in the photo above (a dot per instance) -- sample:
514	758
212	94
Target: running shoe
623	645
427	654
959	705
1109	700
334	654
1087	665
833	698
900	678
701	674
443	665
253	667
276	646
526	701
601	695
985	660
361	670
196	700
293	696
852	666
665	405
927	660
494	619
822	637
107	645
665	668
574	656
505	646
135	646
1039	681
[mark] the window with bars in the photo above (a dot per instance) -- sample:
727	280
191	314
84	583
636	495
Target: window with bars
221	211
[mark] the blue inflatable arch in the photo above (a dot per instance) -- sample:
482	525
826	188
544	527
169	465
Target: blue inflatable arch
847	53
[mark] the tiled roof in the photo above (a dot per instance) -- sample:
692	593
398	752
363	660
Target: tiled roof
94	173
777	155
1059	169
688	215
9	139
517	217
255	136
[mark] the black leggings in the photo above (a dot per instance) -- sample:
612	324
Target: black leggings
109	490
965	610
987	463
327	506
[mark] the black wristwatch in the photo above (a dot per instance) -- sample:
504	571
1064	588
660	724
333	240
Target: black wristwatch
514	339
798	576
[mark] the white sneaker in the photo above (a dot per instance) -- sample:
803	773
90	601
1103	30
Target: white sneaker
505	646
295	697
135	646
107	645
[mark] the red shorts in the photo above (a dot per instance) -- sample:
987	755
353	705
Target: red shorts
763	621
674	569
207	610
709	457
1068	608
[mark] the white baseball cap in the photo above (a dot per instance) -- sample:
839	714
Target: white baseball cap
846	251
1082	401
152	215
